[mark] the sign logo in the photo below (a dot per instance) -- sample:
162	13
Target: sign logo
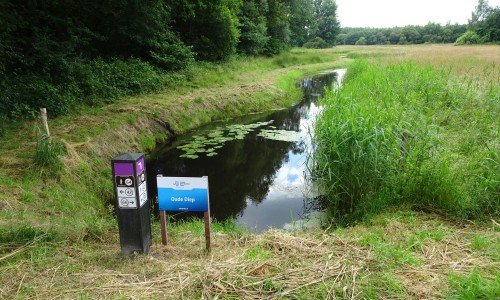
125	181
180	183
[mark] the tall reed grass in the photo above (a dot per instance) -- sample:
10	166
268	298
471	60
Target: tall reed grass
404	133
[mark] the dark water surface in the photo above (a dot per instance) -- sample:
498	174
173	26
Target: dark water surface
259	181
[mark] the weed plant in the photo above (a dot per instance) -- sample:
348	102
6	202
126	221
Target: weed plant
404	133
47	152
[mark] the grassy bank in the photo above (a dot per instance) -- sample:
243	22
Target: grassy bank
50	201
50	197
58	237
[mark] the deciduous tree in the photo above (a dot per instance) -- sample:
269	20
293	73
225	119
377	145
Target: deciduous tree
326	16
253	27
209	26
278	27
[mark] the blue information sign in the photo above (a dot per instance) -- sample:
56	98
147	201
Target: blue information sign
183	193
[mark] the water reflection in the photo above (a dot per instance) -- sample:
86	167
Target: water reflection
258	181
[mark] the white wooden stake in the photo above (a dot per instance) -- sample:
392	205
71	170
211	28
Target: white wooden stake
43	113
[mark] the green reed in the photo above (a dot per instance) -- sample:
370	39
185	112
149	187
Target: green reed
404	133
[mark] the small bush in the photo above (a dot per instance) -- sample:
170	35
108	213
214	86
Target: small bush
316	43
468	38
102	81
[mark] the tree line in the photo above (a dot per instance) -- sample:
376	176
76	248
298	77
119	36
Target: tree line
430	33
483	27
61	54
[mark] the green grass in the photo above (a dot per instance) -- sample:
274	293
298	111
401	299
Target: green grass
205	74
148	143
197	227
257	254
475	286
404	133
386	285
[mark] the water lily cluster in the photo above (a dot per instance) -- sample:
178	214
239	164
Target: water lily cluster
209	144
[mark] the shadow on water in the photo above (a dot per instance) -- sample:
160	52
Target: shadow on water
259	181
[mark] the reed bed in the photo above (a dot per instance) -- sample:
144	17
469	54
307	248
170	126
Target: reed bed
406	133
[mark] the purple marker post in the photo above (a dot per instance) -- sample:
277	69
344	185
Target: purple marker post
132	205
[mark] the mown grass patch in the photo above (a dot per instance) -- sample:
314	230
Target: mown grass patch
366	261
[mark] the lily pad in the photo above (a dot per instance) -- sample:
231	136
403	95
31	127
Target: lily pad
191	156
280	135
216	139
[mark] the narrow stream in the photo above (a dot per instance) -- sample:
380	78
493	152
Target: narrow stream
256	165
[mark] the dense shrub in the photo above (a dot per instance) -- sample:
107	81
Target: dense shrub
80	82
60	54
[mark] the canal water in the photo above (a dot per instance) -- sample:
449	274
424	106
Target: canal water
256	165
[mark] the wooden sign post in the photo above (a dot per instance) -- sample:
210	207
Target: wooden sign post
163	227
183	194
206	217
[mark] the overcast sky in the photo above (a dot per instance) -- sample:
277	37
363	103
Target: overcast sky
392	13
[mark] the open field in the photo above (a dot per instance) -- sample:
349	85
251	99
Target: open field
462	59
58	237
